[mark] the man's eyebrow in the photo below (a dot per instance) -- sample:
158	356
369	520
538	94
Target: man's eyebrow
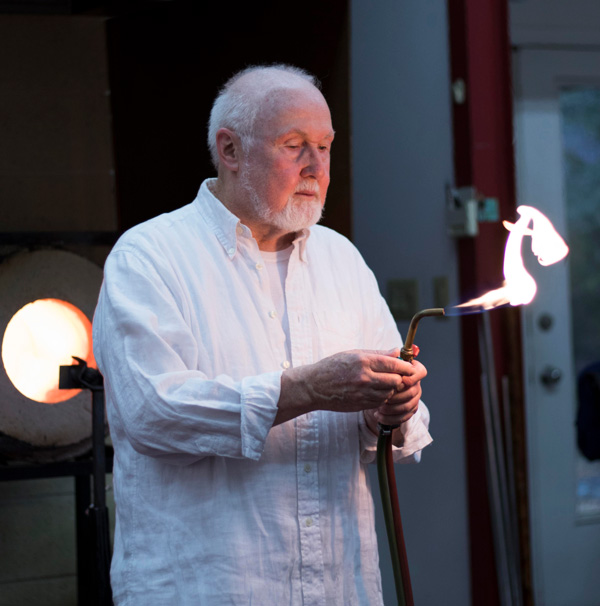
296	131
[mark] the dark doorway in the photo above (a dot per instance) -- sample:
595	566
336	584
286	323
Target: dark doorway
166	63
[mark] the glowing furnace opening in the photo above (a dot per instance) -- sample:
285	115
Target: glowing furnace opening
41	337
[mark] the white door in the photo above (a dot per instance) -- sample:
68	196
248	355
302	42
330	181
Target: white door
557	138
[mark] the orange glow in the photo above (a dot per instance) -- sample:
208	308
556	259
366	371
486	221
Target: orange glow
39	338
519	287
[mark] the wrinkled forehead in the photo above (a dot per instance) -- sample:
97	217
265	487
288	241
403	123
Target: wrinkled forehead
301	109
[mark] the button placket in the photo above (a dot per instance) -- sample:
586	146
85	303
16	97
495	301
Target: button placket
273	324
298	297
307	444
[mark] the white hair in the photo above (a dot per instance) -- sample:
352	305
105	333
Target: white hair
236	106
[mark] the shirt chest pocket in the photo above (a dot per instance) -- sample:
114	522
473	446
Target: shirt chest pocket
335	331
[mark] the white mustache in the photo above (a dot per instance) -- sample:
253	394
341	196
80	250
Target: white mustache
308	185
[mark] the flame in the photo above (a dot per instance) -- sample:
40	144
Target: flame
39	338
519	287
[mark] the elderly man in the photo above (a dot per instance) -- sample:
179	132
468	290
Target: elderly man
247	361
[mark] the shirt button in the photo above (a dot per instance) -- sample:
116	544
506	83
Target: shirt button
239	229
309	522
259	266
272	314
231	252
307	467
285	364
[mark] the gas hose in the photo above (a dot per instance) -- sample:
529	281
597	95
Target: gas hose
387	483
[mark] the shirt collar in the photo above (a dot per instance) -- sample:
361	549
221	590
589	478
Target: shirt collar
220	219
227	227
300	242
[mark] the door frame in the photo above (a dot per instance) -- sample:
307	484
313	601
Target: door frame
484	158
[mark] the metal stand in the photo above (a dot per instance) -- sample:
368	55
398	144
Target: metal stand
80	376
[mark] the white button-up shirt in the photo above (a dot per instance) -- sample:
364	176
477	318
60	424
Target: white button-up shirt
215	506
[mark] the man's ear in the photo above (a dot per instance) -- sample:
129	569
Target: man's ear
229	148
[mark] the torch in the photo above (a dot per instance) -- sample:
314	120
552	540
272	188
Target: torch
519	288
387	482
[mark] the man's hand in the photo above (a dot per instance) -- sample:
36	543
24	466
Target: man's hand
387	389
402	405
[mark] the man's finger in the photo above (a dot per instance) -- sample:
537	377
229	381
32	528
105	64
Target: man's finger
393	419
390	364
417	373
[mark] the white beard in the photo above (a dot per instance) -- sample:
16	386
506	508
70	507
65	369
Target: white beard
295	215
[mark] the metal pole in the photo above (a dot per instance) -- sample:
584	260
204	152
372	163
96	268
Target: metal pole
497	483
80	376
99	509
515	559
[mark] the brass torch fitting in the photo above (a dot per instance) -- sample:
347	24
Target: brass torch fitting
407	350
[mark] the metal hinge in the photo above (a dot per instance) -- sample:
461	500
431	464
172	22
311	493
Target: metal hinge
466	208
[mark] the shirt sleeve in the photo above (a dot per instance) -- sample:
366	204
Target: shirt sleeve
165	406
415	433
382	334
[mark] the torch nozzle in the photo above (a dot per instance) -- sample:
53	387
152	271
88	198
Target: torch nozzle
407	350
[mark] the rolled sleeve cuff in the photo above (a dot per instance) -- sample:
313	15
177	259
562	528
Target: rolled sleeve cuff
415	434
259	408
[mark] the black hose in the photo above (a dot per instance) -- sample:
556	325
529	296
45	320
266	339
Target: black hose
384	444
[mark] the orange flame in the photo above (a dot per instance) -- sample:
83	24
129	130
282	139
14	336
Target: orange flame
39	338
519	287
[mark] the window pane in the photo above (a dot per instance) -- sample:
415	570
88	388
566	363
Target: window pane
580	113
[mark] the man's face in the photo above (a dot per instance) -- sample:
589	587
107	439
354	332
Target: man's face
285	173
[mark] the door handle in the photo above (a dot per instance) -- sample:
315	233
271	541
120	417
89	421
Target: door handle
551	376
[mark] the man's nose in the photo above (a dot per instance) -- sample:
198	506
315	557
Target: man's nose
316	163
